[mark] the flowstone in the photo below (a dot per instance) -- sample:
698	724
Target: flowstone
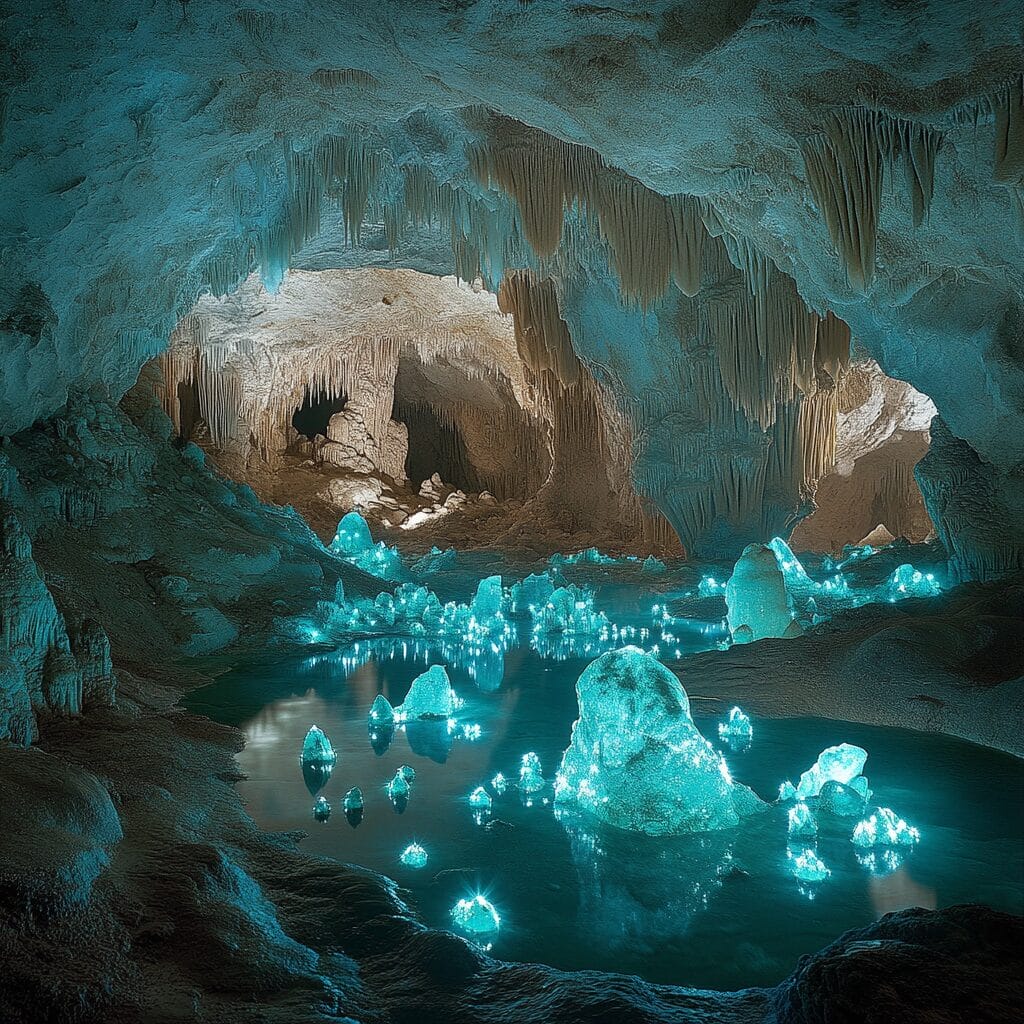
637	761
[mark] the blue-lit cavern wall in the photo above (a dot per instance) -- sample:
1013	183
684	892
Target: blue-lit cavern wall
180	147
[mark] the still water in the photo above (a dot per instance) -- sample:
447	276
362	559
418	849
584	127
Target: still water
720	910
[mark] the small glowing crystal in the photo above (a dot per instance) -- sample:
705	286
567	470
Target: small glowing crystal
884	828
499	784
801	821
480	799
414	856
476	916
316	747
738	726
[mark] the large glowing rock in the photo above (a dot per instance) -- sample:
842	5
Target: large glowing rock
758	603
637	761
430	696
842	763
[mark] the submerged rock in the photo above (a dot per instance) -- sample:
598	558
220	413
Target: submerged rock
637	761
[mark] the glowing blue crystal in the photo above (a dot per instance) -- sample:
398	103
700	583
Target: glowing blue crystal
398	788
787	791
414	856
801	822
843	763
407	772
840	800
531	778
907	581
321	809
354	799
430	696
353	537
757	601
381	712
884	828
637	761
736	727
316	747
476	916
480	799
499	784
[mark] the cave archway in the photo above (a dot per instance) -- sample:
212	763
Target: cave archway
313	416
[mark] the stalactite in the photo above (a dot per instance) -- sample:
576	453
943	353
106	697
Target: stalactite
1009	135
334	78
542	336
845	166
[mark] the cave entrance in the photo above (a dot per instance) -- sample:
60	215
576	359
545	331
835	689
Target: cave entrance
312	417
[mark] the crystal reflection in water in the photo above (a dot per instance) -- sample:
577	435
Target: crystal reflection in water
625	904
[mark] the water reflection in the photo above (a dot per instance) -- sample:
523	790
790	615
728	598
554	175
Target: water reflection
638	892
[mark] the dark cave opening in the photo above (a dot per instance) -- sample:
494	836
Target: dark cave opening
312	417
435	447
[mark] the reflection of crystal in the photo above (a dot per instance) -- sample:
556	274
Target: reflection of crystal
414	856
883	861
806	865
431	739
623	904
315	776
353	805
476	916
381	737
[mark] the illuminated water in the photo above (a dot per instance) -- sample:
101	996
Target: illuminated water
721	910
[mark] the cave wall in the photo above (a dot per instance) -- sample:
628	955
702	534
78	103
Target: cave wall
179	148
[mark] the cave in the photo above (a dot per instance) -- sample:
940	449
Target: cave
512	512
